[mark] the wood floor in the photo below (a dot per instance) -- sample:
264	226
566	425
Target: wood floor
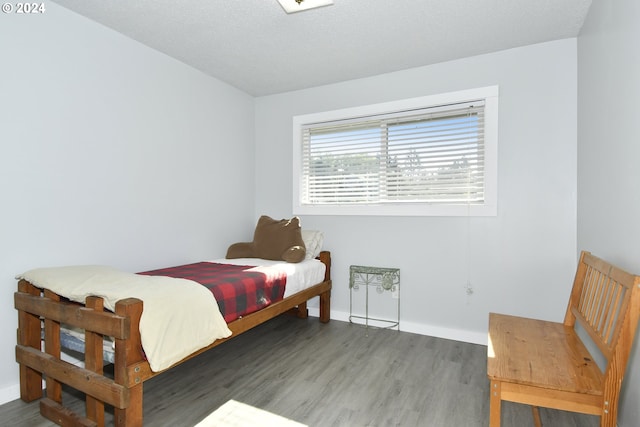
325	375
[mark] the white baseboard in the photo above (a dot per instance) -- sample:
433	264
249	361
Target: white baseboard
9	394
472	337
462	335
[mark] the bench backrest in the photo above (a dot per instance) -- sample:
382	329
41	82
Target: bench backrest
605	301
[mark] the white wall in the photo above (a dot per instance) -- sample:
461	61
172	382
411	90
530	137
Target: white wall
111	153
609	151
522	261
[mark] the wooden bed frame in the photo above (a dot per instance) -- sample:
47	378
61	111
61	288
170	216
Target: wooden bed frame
40	313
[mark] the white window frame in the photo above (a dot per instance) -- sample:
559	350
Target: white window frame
488	208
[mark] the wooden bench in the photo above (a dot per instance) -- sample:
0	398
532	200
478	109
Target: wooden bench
546	364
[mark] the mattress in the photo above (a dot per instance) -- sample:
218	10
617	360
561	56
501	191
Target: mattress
300	276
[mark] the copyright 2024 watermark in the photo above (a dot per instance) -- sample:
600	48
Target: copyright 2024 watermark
23	8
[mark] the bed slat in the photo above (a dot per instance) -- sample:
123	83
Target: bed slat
93	362
63	416
52	347
29	335
81	379
102	322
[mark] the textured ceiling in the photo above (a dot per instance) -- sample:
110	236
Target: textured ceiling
255	46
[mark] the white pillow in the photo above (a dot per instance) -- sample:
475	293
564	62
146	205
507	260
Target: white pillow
313	242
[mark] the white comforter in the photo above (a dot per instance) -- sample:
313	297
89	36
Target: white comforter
179	316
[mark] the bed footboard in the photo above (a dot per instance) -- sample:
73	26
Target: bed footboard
40	314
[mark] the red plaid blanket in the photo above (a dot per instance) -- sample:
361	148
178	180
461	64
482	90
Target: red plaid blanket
237	290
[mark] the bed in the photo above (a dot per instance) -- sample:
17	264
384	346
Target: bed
41	312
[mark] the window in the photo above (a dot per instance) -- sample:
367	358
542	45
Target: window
424	156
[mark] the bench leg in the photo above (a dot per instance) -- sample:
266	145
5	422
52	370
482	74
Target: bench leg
609	417
536	416
495	402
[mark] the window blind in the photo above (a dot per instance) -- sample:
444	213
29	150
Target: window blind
431	155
